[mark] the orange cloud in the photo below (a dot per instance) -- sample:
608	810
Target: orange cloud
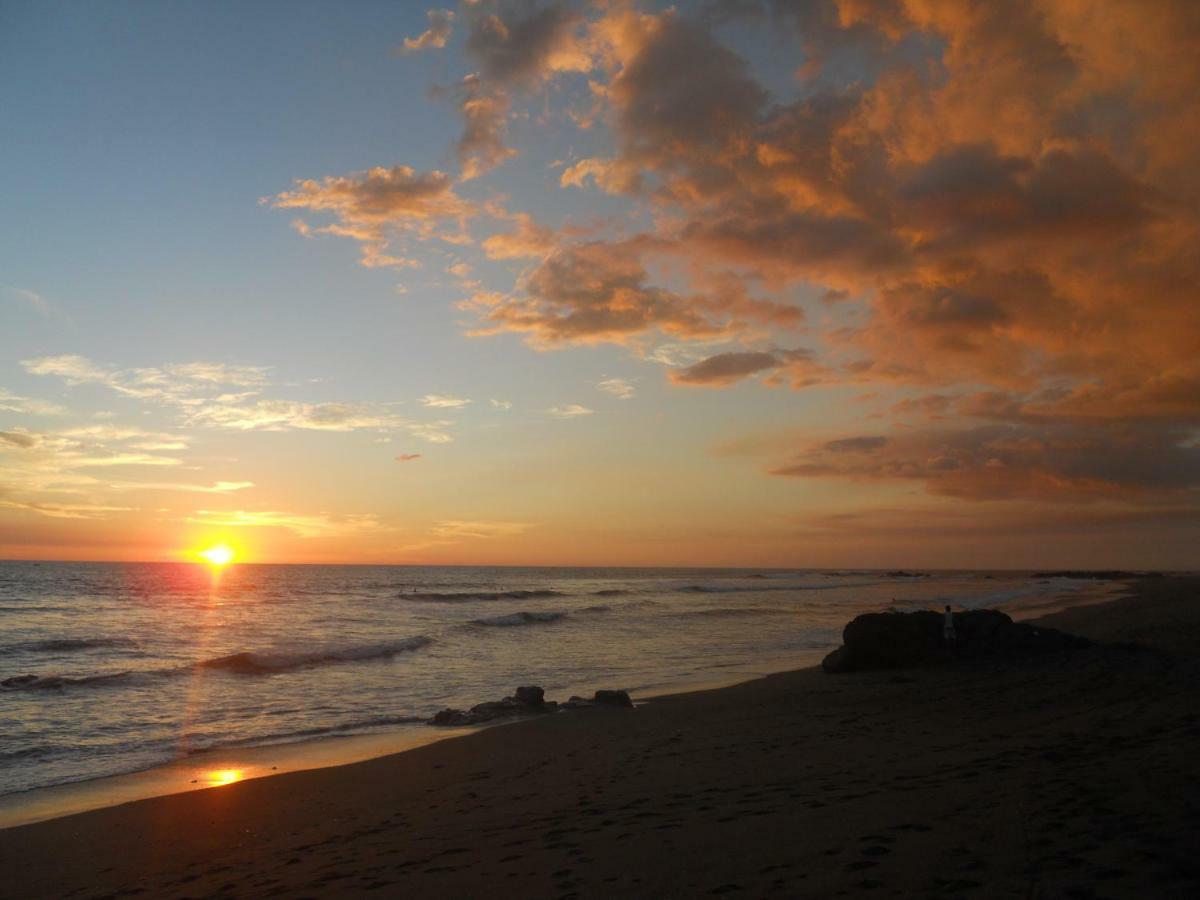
725	369
379	204
441	24
1000	204
529	239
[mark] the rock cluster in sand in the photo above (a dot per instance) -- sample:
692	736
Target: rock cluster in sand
526	700
894	640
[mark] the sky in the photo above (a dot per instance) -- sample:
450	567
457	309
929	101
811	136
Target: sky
830	283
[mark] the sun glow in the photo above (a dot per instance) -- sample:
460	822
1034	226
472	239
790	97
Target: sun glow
219	777
217	555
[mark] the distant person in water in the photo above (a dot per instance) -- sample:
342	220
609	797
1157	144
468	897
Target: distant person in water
949	635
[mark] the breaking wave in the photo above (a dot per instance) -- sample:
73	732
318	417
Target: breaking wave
244	663
69	645
727	612
57	682
717	589
521	618
476	596
257	663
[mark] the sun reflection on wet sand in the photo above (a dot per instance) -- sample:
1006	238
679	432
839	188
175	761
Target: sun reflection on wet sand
218	777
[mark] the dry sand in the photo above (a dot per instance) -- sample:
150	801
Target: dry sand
1067	777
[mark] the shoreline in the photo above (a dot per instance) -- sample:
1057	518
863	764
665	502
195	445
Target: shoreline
1074	775
220	767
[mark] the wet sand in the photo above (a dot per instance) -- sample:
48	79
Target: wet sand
1067	777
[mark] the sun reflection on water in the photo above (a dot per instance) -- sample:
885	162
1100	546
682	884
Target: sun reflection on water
218	777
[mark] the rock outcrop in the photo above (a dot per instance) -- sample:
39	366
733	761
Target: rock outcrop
600	698
895	640
526	700
612	698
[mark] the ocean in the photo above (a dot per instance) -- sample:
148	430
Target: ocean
109	668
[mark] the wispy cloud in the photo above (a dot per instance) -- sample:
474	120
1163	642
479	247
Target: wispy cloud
199	390
288	415
443	401
434	432
10	402
80	449
569	411
407	457
500	404
477	528
64	510
181	384
37	468
618	387
32	300
307	526
218	487
441	24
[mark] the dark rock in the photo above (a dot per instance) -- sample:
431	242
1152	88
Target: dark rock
612	698
525	700
894	640
494	708
522	703
837	660
530	695
450	716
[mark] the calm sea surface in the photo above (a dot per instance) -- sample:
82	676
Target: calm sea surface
111	668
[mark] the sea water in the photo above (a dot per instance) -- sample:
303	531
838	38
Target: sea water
109	668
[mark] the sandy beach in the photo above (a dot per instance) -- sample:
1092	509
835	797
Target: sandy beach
1066	776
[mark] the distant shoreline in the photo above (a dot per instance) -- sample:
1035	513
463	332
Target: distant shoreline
1033	572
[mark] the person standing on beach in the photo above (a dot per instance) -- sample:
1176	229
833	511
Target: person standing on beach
949	635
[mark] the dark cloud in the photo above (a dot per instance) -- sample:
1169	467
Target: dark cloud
1065	462
484	110
18	439
516	43
667	106
856	444
971	194
726	368
598	291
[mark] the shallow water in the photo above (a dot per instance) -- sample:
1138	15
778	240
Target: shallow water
111	668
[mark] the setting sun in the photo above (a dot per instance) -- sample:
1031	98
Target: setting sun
217	555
